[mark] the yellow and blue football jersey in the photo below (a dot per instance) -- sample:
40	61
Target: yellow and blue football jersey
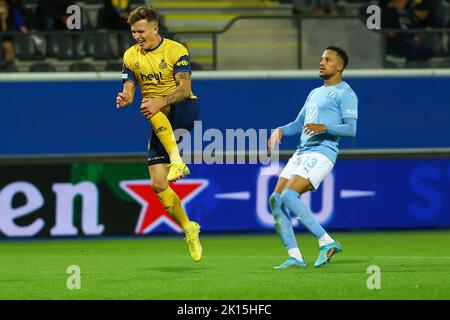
154	70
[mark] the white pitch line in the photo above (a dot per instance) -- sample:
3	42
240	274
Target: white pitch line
244	195
356	193
399	257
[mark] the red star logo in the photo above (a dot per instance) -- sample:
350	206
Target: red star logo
152	212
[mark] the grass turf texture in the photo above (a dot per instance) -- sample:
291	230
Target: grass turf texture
414	265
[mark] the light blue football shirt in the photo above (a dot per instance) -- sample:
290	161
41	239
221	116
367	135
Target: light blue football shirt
327	105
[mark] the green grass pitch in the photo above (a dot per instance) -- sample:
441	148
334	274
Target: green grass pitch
414	265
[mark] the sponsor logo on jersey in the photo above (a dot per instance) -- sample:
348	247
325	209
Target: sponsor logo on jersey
149	77
182	63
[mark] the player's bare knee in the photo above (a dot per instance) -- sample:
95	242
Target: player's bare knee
159	186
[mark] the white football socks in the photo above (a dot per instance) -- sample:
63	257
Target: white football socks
325	240
294	252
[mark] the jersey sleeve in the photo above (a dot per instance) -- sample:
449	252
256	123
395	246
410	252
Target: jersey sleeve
182	61
349	105
295	127
347	129
127	68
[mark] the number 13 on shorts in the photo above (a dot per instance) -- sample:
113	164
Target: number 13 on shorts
309	162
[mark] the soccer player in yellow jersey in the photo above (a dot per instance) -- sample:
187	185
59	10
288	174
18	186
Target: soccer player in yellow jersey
162	70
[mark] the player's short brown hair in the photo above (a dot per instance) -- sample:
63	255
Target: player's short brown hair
143	13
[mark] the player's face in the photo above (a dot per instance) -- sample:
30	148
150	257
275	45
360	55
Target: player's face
330	64
145	33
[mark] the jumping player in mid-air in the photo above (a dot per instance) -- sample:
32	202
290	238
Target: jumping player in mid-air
330	112
161	68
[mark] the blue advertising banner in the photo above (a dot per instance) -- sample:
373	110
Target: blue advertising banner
357	194
79	117
116	199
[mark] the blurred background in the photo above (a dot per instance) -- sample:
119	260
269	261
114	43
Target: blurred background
282	35
74	187
71	164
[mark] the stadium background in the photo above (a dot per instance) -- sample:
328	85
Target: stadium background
72	166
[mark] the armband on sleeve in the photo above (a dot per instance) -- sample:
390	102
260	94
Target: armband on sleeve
182	65
128	75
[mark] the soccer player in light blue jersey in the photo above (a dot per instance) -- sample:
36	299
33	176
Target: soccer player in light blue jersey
330	112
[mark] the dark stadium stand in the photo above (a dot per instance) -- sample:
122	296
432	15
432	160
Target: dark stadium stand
81	67
26	48
98	46
42	67
60	46
189	22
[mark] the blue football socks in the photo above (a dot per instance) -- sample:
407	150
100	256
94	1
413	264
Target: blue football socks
291	200
283	223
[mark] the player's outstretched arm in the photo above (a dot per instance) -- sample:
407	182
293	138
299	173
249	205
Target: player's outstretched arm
126	97
151	106
275	139
347	129
295	127
183	89
311	129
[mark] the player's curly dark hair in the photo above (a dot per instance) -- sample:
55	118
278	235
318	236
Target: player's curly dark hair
148	13
341	53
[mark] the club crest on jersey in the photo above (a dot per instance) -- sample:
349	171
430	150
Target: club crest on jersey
136	65
163	64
